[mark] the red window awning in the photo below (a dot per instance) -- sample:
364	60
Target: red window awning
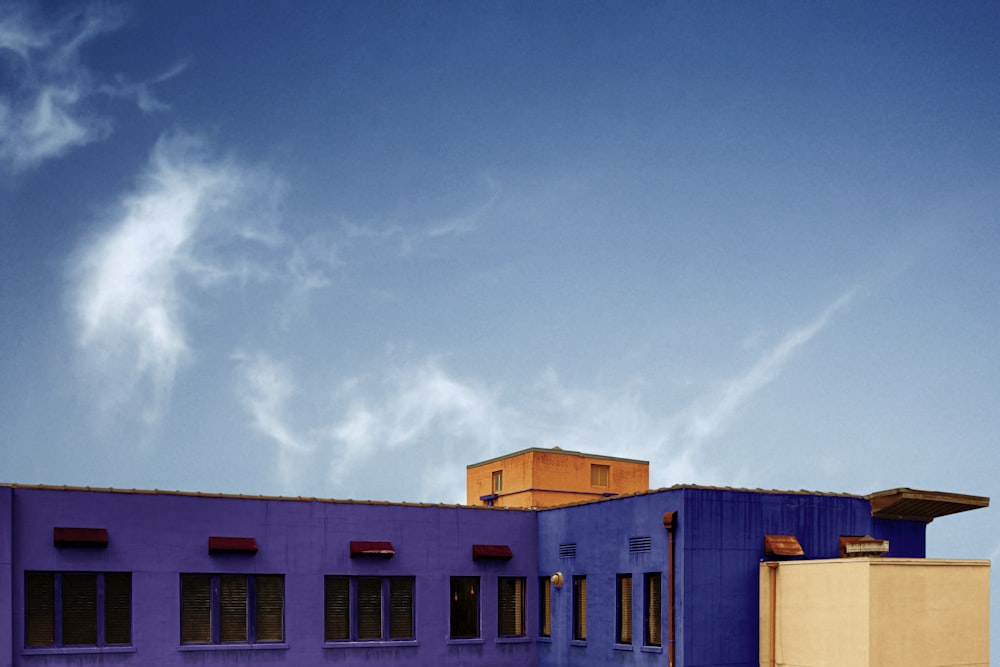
492	551
243	545
80	537
359	548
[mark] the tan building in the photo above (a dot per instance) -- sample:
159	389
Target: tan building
875	612
540	477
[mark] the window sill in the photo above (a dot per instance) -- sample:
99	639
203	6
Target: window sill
513	640
578	642
544	640
471	640
72	650
652	649
623	647
233	647
374	643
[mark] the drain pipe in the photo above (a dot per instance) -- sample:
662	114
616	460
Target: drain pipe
772	569
670	523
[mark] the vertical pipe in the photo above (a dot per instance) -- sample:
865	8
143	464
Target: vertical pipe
670	522
773	575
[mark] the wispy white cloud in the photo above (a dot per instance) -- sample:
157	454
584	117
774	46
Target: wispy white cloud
141	92
414	404
712	415
48	111
452	420
127	282
416	235
266	388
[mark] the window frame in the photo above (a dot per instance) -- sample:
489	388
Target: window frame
516	602
391	589
600	475
249	607
652	605
624	593
55	608
457	600
545	607
579	608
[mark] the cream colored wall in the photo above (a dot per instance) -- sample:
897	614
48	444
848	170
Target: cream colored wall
877	612
822	614
930	612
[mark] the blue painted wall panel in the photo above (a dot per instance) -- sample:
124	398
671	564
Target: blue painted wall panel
719	545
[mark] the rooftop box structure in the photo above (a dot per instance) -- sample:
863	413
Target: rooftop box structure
540	477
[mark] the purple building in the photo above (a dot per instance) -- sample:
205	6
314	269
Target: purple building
111	577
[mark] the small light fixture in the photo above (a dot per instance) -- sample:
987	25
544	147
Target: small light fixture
557	579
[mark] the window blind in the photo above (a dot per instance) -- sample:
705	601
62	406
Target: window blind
39	609
338	608
545	606
401	608
232	608
624	635
270	611
369	608
654	626
196	609
79	609
117	608
510	601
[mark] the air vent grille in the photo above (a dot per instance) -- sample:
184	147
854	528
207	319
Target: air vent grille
639	544
567	550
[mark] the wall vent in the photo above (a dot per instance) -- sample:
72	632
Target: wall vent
639	544
567	550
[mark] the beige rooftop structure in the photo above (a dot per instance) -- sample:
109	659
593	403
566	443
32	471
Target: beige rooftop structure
539	477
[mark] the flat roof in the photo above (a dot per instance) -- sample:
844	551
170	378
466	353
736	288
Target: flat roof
556	450
243	496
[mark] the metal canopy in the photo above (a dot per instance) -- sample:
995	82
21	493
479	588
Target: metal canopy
918	505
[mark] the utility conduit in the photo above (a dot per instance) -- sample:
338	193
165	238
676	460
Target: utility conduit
773	575
670	523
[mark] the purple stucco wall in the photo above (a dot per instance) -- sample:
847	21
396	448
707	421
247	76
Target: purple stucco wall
6	590
159	536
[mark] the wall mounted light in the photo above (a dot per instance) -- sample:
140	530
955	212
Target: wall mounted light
557	579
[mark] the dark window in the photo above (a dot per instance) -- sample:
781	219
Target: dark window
377	602
269	617
623	630
401	608
63	608
369	608
654	627
510	606
544	607
232	608
337	602
464	607
579	607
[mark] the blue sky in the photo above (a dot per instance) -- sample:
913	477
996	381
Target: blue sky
345	250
